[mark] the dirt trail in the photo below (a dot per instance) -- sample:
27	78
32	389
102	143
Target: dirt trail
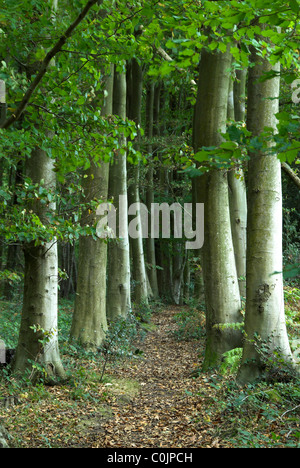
166	412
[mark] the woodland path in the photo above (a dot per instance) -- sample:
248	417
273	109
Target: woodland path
166	411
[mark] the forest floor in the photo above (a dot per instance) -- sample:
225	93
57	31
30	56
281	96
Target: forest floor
166	411
151	400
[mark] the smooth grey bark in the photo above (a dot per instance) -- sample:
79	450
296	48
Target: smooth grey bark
89	324
118	288
179	263
3	437
152	112
135	92
239	91
237	184
222	295
3	105
265	315
186	280
40	302
238	216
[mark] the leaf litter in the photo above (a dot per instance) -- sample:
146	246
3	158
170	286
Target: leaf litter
153	400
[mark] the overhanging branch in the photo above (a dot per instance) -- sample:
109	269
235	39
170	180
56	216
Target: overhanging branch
46	62
289	171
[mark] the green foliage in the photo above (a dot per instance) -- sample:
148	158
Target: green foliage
12	277
252	410
118	343
10	316
292	313
231	326
143	312
21	224
189	324
231	361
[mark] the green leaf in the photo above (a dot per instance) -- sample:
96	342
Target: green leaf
40	54
229	145
294	5
201	156
222	47
290	271
81	101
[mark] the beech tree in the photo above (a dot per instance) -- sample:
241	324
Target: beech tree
38	337
119	298
89	319
134	98
265	315
237	183
222	297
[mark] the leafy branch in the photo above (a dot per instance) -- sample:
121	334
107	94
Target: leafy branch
46	62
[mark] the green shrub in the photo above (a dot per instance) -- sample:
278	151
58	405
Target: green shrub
231	361
189	324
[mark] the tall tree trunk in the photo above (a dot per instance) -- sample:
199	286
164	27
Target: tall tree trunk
180	256
152	93
186	280
238	215
237	185
38	341
239	95
265	315
89	324
221	284
38	336
165	253
135	92
118	297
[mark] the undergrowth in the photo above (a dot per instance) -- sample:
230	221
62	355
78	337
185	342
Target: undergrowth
256	416
189	323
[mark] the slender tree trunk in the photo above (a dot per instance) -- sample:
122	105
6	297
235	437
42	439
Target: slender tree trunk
198	197
135	92
165	257
179	263
221	284
118	297
239	92
89	324
186	280
150	242
237	185
265	315
238	215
